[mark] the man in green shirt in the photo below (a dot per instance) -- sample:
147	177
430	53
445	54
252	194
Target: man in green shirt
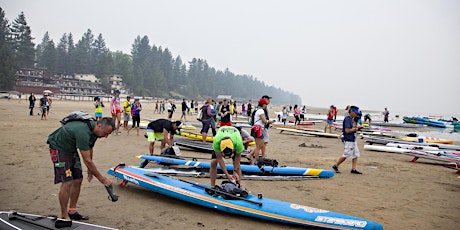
227	144
63	145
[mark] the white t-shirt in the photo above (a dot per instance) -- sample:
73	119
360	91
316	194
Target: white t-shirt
257	119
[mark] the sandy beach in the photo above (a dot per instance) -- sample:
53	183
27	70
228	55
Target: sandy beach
392	191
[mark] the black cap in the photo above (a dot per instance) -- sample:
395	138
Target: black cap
266	96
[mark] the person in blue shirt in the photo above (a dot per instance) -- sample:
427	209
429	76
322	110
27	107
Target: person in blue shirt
351	148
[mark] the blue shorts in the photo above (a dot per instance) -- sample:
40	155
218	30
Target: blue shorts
329	122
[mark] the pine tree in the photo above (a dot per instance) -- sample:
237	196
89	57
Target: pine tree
23	45
7	59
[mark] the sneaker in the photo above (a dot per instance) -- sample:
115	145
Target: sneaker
77	216
354	171
336	169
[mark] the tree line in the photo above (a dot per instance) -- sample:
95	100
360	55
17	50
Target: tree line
149	70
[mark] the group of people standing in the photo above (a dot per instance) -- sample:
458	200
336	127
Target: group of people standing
45	104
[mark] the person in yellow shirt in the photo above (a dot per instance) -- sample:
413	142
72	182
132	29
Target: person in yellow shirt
98	110
126	112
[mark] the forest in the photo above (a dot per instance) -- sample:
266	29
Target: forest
149	70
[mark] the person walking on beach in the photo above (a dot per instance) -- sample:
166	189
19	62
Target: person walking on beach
115	110
296	115
330	119
44	106
227	144
32	100
63	145
386	113
284	115
351	148
259	130
156	107
206	120
184	110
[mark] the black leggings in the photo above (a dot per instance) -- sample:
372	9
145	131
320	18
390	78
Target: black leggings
136	120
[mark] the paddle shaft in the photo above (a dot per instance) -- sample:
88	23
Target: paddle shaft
222	192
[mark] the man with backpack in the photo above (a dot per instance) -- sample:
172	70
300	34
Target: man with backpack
63	145
208	114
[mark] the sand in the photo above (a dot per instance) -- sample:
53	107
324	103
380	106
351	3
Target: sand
392	191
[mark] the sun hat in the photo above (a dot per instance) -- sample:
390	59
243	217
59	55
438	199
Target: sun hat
355	109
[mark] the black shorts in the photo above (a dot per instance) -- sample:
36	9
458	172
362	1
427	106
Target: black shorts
67	166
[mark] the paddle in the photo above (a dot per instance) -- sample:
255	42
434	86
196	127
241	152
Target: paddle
112	196
16	216
220	192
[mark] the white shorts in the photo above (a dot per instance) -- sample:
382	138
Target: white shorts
351	150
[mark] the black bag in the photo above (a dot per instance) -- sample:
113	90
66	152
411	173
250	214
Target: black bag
257	131
234	189
266	162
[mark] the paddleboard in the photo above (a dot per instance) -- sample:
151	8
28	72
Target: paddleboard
204	173
16	220
197	136
245	169
384	141
319	134
255	206
198	145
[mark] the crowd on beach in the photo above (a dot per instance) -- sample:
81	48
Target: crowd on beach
229	139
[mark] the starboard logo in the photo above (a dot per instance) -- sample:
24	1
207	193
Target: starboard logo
308	209
130	179
340	221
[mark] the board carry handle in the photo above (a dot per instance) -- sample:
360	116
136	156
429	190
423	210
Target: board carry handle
221	192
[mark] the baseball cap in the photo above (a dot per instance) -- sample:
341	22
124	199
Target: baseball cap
117	91
263	101
226	145
266	96
178	124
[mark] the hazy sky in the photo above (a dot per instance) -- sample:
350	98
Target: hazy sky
401	54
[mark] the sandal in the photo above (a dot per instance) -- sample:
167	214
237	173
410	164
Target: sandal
77	216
